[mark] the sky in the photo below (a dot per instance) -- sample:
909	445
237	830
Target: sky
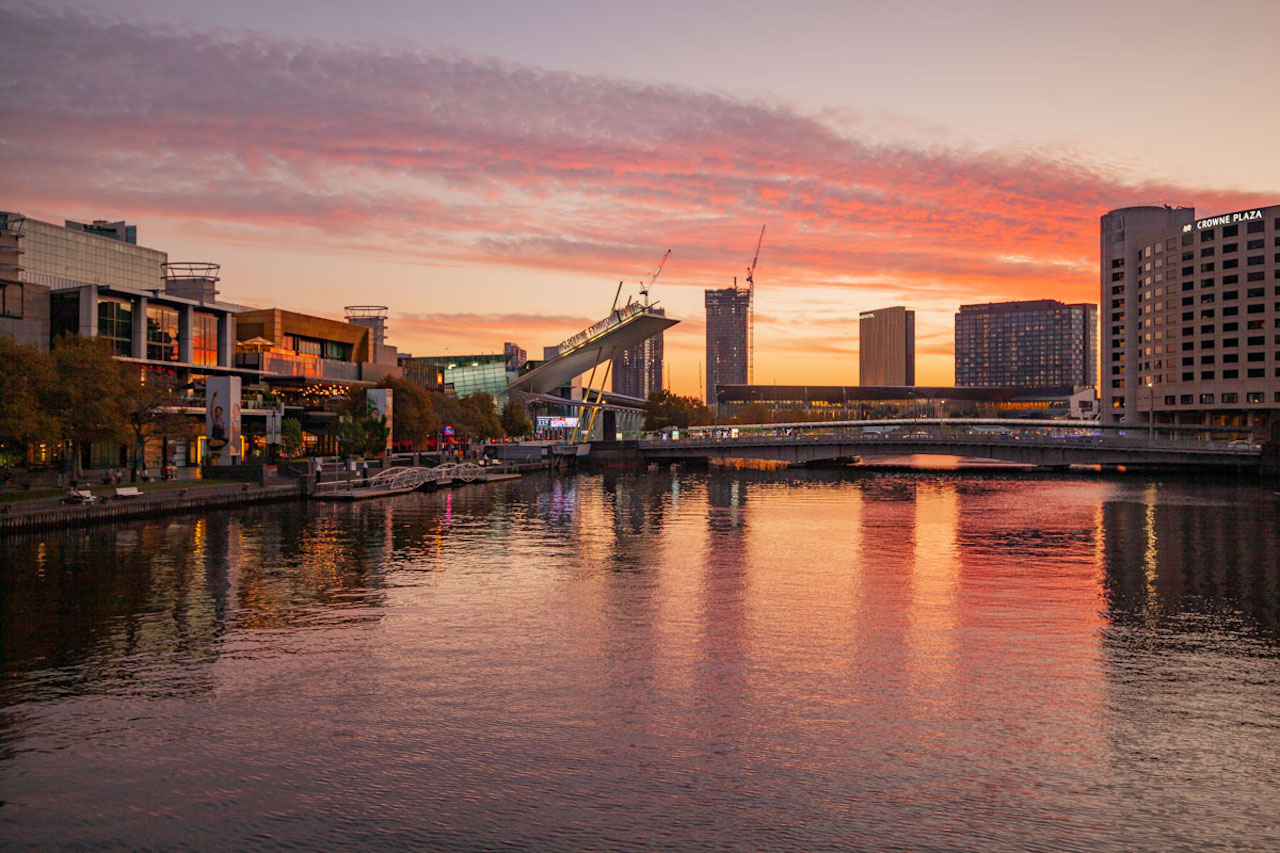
492	170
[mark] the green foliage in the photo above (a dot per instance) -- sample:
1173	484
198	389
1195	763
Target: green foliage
90	392
365	436
290	438
27	382
474	417
413	416
664	409
515	421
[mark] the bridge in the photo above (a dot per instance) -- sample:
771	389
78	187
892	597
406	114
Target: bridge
1053	444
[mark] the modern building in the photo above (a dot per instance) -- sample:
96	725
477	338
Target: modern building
728	342
460	375
887	347
1193	330
637	370
374	318
1040	343
1122	232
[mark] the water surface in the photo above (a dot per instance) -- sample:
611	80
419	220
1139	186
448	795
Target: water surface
737	660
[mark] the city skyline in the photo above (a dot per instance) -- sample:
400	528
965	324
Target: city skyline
489	186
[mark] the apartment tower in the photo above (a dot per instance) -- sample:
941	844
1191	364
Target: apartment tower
887	347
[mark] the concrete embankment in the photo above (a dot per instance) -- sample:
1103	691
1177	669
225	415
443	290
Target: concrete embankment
149	505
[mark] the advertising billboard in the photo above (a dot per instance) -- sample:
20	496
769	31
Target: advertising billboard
222	419
380	406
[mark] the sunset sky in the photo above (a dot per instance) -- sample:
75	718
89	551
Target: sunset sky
491	170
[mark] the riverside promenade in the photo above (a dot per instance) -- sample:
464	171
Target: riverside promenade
153	499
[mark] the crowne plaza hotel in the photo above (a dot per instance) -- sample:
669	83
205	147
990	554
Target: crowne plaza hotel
1190	316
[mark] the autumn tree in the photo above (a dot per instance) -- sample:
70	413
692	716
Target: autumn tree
89	393
515	420
152	411
413	417
664	409
290	437
27	413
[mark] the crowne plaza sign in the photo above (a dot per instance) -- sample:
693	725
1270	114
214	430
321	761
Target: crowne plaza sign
1225	219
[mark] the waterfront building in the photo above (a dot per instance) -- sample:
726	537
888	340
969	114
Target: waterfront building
863	402
1193	320
460	375
374	318
1038	343
637	370
1122	231
728	318
887	347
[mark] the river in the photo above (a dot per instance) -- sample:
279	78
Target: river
722	660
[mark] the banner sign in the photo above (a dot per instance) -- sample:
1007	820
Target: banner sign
222	419
380	406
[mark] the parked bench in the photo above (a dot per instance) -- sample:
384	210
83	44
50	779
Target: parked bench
128	492
78	496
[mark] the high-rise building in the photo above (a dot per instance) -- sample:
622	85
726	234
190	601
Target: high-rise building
1026	344
515	356
728	314
1122	231
637	371
887	347
1192	332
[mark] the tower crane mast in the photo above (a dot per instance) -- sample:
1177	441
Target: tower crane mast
644	287
751	310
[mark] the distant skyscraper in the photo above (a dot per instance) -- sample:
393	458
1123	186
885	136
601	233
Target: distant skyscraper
515	356
637	372
887	347
728	311
1035	344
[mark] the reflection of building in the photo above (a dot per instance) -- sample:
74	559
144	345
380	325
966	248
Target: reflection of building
855	402
728	314
1029	344
637	370
887	347
1193	330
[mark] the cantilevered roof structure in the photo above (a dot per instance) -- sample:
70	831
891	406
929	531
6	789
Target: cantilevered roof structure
596	345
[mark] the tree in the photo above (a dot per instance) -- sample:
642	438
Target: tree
89	393
413	416
664	409
753	413
27	382
480	416
515	421
151	409
290	437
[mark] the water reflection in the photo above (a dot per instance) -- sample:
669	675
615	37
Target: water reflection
732	659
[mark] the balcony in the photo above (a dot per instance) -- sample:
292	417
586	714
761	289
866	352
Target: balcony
303	366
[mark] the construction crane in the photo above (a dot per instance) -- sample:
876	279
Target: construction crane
644	286
751	311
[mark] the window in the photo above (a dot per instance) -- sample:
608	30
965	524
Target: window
1206	374
1188	361
1230	357
1230	295
1255	292
1256	356
1256	226
1230	247
1206	359
1230	327
1230	230
11	299
1231	263
1206	398
1255	276
1206	235
1255	260
1230	374
162	333
1257	308
1206	329
1207	252
115	323
204	338
1255	244
1231	311
1188	376
1230	397
1169	399
1256	372
1207	267
1253	397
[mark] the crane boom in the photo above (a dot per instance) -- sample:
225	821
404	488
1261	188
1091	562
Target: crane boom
751	270
644	288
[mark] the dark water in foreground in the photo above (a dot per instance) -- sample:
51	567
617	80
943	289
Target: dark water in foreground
735	660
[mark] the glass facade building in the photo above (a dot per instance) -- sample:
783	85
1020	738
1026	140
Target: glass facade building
728	317
461	374
1026	344
637	370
